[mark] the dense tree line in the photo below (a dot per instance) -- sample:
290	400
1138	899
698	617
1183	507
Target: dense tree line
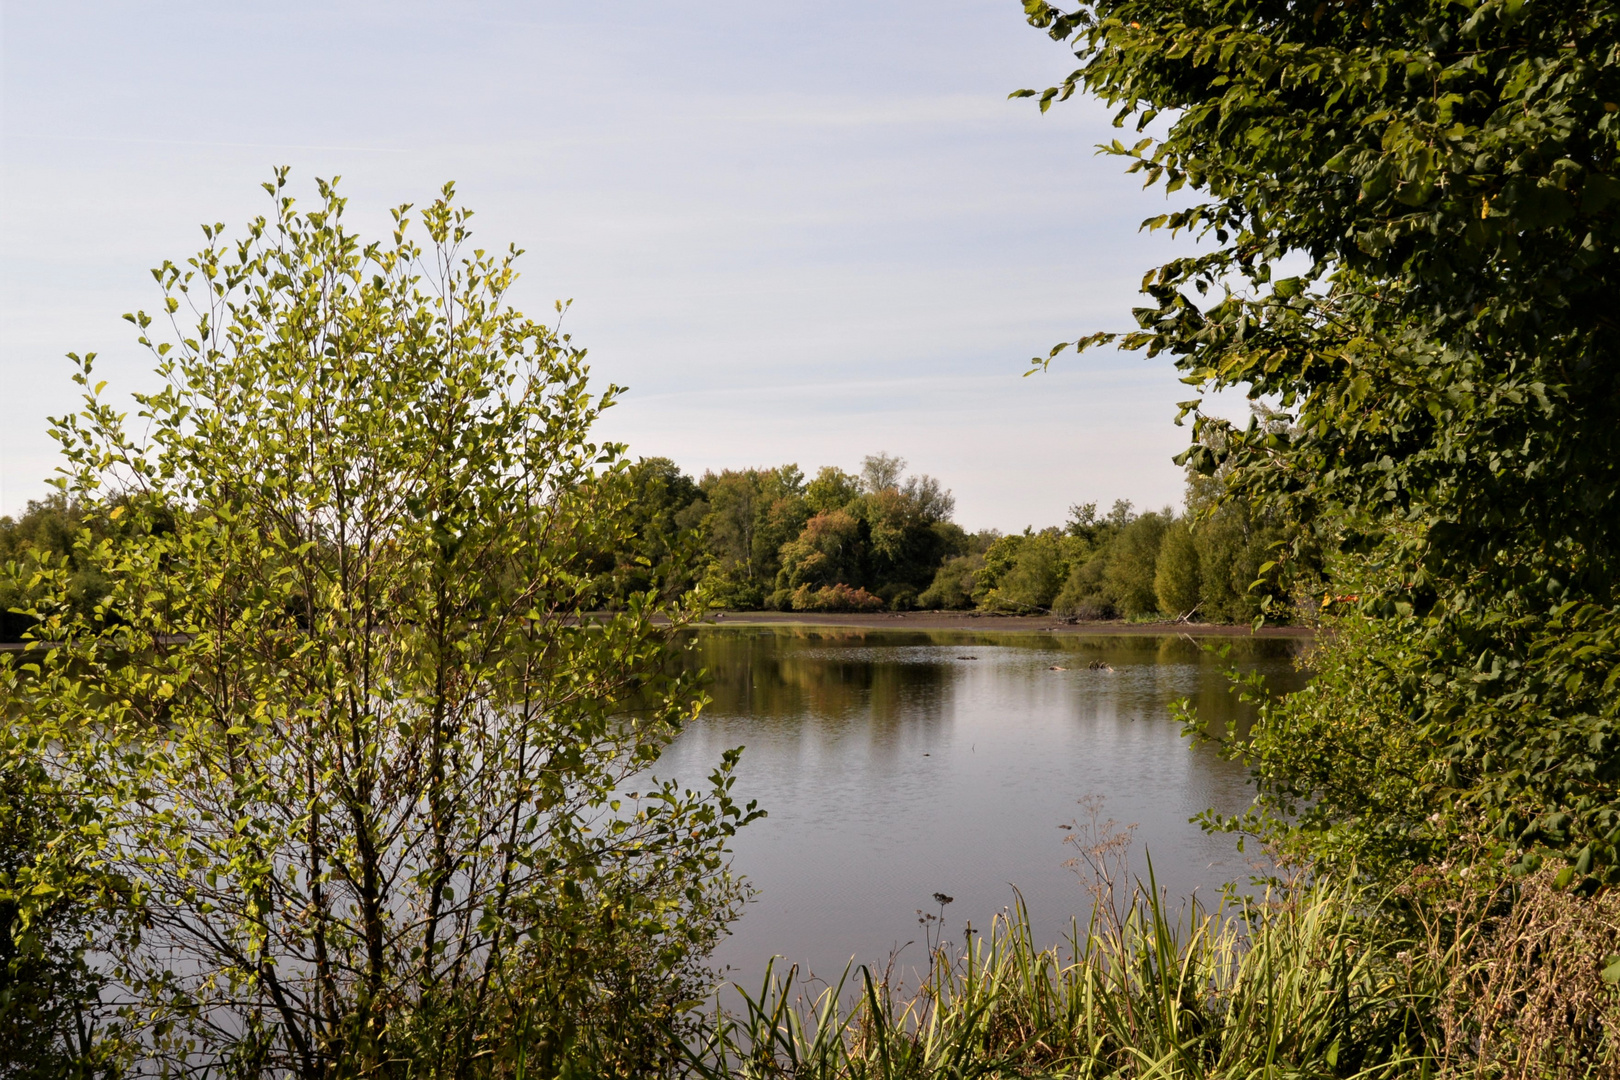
882	540
770	538
1208	563
49	528
876	540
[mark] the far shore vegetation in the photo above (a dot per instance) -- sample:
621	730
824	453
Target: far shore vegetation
880	540
876	540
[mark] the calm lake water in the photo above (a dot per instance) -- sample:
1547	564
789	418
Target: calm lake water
897	764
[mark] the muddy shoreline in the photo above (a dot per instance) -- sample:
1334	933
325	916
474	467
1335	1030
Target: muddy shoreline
974	621
982	622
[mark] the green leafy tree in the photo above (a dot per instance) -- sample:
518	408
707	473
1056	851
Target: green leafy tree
908	528
999	559
1089	542
1351	782
881	530
1133	563
1085	592
751	514
1444	177
1177	580
664	506
1035	575
831	550
953	585
379	794
956	582
832	489
45	531
1236	542
880	472
49	524
730	525
52	910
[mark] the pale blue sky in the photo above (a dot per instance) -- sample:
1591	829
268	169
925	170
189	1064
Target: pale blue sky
797	231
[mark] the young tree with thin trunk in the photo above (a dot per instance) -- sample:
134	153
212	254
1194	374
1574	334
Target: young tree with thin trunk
377	787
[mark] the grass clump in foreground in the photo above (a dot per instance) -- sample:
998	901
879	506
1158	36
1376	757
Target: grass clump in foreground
1304	982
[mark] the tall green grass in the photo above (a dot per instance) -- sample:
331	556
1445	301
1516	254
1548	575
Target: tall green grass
1511	979
1277	987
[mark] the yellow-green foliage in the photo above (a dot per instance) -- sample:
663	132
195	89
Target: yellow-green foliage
1132	565
1305	983
1177	580
366	781
46	535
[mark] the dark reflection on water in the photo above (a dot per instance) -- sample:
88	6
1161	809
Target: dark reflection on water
897	764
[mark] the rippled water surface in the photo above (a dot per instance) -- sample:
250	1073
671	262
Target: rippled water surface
895	765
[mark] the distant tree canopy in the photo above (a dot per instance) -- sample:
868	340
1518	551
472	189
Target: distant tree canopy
1124	565
880	539
873	540
769	538
52	527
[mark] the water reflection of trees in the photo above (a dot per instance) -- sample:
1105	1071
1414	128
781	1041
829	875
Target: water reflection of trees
797	672
1183	667
828	674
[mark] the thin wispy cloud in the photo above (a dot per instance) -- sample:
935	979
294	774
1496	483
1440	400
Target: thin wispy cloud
950	110
139	140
